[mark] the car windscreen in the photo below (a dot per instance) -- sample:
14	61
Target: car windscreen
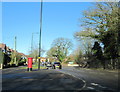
56	63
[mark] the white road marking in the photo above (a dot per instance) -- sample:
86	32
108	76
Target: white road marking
94	84
90	88
101	86
77	78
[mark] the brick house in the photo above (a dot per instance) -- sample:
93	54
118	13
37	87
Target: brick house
8	51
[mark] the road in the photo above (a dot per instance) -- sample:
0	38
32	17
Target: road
98	80
68	78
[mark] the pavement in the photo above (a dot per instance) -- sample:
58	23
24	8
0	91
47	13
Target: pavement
16	79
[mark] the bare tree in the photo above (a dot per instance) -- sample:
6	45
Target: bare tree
60	48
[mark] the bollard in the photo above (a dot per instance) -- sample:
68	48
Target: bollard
30	59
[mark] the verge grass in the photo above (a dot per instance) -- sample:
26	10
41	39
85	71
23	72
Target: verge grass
34	66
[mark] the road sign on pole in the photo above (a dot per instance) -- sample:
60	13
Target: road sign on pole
39	57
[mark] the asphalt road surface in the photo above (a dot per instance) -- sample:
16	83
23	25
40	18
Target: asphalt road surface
97	80
66	79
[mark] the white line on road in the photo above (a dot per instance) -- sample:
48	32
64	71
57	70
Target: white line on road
90	88
77	78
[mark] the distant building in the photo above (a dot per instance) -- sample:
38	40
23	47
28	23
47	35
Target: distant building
43	59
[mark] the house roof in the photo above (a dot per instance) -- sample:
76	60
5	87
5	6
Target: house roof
23	54
2	46
43	58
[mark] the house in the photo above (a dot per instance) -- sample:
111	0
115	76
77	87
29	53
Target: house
23	55
3	47
6	49
8	52
43	59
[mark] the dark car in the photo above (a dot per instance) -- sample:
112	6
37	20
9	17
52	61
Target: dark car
56	65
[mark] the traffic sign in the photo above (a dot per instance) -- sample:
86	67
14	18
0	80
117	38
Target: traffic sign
39	57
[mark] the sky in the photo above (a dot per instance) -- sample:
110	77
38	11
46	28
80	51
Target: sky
21	19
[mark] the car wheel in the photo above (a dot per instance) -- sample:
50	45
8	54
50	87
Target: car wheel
53	67
60	67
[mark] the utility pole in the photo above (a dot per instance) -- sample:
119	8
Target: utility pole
40	35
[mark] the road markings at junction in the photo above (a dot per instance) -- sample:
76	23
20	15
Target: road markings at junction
77	78
98	86
94	84
90	88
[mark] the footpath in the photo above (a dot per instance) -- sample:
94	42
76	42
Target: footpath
16	79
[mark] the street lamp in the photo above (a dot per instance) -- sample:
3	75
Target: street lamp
32	41
40	35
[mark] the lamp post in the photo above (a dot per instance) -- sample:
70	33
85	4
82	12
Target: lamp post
32	41
40	35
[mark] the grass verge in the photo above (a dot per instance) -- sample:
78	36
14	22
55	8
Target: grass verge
34	66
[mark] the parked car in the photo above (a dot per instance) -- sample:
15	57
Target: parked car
56	65
48	65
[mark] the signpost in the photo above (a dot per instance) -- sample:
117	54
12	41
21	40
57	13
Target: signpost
39	57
